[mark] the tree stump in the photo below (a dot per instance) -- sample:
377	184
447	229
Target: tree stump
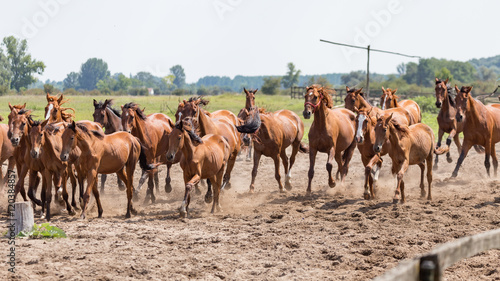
23	219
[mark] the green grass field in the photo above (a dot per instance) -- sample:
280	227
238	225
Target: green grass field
168	105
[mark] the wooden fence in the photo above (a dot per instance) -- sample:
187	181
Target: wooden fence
430	267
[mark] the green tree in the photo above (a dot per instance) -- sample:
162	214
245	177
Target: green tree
48	88
180	77
486	73
122	82
354	78
5	73
22	66
271	85
444	74
71	81
292	76
91	72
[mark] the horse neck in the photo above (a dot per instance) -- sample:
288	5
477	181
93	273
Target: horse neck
249	105
50	147
395	139
363	103
86	143
140	129
320	115
188	148
206	124
394	103
114	123
446	107
473	109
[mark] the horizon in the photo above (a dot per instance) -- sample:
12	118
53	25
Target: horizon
235	37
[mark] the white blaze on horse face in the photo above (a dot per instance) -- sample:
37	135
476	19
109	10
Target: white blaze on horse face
310	93
383	104
361	120
180	115
48	111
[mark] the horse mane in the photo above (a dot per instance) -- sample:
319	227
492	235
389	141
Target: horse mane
52	128
86	130
252	125
202	101
35	123
451	100
191	133
403	130
24	111
326	94
18	106
134	106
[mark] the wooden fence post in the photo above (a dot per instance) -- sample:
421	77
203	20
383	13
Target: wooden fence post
23	218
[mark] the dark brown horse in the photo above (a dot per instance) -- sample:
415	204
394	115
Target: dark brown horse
111	120
152	131
243	115
481	127
202	158
355	99
331	132
412	145
104	154
390	100
272	133
221	122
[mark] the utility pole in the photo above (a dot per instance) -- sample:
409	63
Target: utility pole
368	73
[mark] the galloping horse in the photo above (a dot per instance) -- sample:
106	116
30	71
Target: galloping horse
272	133
481	127
331	132
54	104
221	122
412	145
390	100
243	115
202	158
152	131
104	154
447	121
355	99
111	120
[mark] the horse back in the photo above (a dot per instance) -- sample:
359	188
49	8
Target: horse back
494	116
401	115
413	109
225	114
7	147
292	125
211	156
422	143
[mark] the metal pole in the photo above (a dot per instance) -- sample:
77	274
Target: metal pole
368	73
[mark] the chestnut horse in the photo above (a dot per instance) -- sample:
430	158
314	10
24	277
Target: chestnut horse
202	158
411	145
355	99
54	103
111	120
152	131
221	122
6	153
104	154
390	100
272	133
481	127
331	132
243	115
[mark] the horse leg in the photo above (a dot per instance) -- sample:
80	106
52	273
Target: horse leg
95	190
456	139
157	180
184	209
150	193
256	160
91	178
277	175
400	185
422	186
217	181
65	194
451	136
284	158
369	193
230	165
346	159
72	179
249	155
33	182
329	165
438	145
20	185
121	185
429	174
495	159
130	193
47	190
168	186
137	190
310	174
288	176
103	182
465	149
208	196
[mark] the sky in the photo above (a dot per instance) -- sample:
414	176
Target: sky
247	37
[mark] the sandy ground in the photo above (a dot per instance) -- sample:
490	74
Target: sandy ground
334	234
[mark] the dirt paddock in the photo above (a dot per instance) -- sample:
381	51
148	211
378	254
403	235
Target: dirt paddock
334	234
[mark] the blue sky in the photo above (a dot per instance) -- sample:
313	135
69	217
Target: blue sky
231	37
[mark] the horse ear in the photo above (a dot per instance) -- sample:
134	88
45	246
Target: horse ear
394	91
11	107
245	90
95	103
446	81
437	80
73	126
388	119
383	89
48	97
255	91
347	89
143	109
1	118
121	106
60	99
457	89
171	123
30	121
470	89
356	110
24	106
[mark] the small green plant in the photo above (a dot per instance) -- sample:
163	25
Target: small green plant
44	230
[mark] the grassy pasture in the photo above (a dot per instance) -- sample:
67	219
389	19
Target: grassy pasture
84	108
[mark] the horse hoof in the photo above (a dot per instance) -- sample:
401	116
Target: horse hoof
395	201
227	186
449	160
208	198
454	175
182	212
435	168
71	212
332	184
133	211
367	196
282	190
127	216
288	186
168	188
121	187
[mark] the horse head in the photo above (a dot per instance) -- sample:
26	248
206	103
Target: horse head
250	98
352	98
441	90
19	118
462	101
131	113
388	98
177	138
69	140
364	123
37	139
100	115
315	94
382	131
189	108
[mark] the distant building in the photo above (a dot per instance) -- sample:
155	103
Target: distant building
151	91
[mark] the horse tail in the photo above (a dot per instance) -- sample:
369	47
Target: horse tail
441	150
252	125
303	147
143	162
479	149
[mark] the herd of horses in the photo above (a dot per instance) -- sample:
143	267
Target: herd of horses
206	144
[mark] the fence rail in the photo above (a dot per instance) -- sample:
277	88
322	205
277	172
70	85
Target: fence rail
432	265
